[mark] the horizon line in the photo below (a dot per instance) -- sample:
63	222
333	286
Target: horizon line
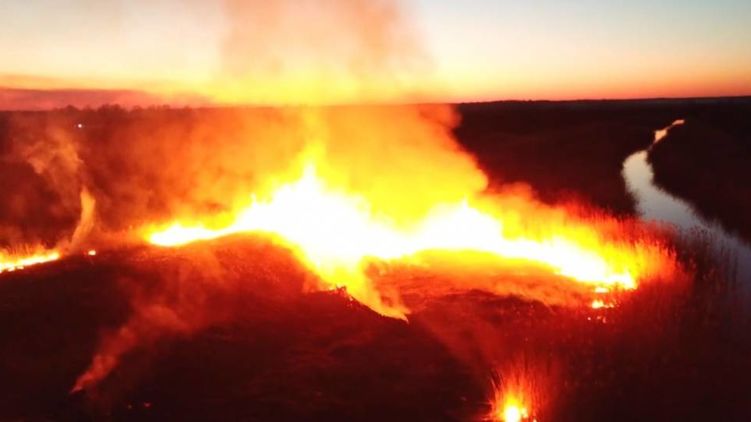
197	101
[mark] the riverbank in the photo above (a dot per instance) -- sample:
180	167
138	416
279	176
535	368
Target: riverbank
706	162
657	204
564	151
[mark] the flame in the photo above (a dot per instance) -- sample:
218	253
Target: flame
512	411
28	256
355	186
12	262
601	304
523	394
510	405
336	234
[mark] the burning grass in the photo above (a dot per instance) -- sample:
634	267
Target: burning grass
272	295
338	233
19	261
258	347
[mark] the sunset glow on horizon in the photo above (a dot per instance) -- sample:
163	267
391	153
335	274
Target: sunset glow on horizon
177	52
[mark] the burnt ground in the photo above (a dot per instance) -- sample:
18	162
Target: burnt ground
249	345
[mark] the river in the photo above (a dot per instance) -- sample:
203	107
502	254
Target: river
655	204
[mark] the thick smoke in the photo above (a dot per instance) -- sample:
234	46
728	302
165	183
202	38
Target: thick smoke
47	201
319	51
155	165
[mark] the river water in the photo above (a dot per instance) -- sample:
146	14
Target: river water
655	204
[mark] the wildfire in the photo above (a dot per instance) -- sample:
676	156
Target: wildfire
19	259
10	262
512	411
522	392
336	234
510	406
601	304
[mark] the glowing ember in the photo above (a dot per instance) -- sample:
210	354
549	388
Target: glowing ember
513	412
509	407
515	394
601	304
10	262
91	252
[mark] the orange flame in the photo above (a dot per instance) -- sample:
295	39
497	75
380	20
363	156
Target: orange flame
512	411
28	256
12	262
341	207
511	401
336	234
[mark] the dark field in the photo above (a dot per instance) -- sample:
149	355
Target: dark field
707	160
256	347
667	352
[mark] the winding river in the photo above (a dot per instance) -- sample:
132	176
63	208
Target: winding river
655	204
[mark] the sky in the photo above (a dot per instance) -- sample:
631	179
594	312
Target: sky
468	50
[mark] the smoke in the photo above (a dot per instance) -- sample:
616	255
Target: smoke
46	174
86	221
150	166
318	51
415	151
191	290
145	166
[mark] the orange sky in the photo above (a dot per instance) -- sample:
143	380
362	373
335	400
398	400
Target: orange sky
331	51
